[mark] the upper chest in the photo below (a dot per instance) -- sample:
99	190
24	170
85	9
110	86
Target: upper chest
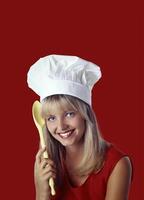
76	181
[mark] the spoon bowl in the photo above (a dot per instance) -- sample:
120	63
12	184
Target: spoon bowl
37	113
39	122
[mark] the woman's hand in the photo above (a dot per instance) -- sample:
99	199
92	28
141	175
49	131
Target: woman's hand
43	170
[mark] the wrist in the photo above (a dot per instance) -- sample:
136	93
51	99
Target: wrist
42	197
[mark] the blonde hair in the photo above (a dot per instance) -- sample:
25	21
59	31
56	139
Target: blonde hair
94	144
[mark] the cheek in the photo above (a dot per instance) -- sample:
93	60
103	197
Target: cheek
50	127
81	124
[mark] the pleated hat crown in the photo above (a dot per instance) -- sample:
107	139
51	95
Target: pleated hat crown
63	74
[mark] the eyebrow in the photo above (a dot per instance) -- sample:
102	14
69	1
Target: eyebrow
65	111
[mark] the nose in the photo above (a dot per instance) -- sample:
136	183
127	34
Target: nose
62	125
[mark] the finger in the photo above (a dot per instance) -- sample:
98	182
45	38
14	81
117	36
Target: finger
49	175
43	163
39	154
49	172
50	162
46	167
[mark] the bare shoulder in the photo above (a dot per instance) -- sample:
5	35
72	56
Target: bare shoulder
123	166
119	181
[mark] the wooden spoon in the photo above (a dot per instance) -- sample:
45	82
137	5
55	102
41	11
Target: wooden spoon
39	122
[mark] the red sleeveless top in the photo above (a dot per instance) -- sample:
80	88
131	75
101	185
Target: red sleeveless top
95	186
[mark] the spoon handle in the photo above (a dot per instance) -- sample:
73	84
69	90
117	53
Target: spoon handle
51	184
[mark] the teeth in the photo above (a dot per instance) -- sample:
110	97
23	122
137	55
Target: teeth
65	135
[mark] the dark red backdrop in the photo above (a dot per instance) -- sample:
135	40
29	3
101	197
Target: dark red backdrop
108	33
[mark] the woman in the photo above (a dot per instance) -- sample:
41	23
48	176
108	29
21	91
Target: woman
82	163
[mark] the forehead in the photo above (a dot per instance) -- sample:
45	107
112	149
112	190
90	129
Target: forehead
56	107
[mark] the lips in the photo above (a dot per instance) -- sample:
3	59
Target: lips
66	134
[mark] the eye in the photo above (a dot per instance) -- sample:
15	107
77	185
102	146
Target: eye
70	114
51	118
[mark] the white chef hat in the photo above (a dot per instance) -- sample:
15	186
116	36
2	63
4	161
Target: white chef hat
62	74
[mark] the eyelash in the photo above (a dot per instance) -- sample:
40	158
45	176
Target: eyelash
72	114
49	119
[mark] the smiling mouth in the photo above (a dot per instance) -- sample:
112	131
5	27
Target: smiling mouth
66	134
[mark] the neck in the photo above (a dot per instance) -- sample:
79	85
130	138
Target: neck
73	151
73	155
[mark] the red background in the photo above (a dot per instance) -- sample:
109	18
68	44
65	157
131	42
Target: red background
107	33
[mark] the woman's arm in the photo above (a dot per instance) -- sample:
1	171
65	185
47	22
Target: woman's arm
44	169
119	181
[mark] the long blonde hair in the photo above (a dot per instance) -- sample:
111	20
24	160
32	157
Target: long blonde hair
94	144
